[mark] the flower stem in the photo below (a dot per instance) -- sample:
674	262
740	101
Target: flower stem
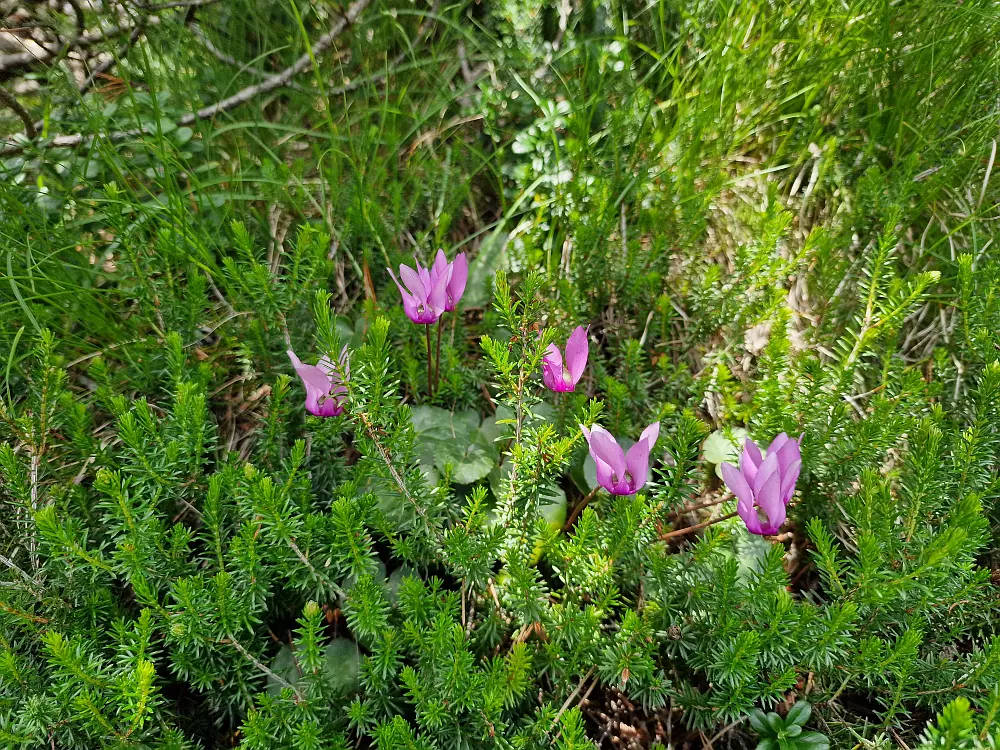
702	525
430	381
437	358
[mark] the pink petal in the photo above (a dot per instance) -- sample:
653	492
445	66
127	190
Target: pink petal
459	277
769	500
603	445
410	303
750	449
577	349
312	376
788	479
764	472
440	265
751	518
605	475
778	442
737	485
787	451
552	370
438	297
414	281
750	460
651	434
637	460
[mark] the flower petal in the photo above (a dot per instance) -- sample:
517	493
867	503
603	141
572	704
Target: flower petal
788	479
751	518
459	277
651	434
750	460
768	466
737	485
637	459
440	265
311	375
577	349
750	449
605	475
414	281
437	298
552	369
769	500
603	445
410	303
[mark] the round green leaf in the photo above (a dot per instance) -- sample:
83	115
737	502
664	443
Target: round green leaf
342	663
724	446
553	509
283	665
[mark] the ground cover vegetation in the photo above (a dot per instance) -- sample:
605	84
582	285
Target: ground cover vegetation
501	374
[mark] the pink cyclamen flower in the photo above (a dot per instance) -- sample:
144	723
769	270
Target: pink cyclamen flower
325	390
458	271
618	473
763	486
559	377
425	296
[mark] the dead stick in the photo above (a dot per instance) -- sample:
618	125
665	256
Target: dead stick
726	498
244	95
682	532
29	127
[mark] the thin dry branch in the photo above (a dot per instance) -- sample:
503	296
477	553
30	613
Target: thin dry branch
244	95
285	76
8	99
17	63
228	59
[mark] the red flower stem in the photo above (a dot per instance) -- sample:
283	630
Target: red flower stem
430	382
437	359
579	509
702	525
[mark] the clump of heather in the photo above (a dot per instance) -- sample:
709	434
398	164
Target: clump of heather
572	378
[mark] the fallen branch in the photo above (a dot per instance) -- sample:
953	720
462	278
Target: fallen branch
221	56
285	76
8	98
17	63
244	95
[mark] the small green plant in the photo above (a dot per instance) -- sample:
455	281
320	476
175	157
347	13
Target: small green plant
787	733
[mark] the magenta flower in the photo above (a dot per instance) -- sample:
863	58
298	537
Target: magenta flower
325	390
763	486
561	378
618	473
458	271
425	297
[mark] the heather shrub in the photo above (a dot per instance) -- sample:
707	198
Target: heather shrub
507	375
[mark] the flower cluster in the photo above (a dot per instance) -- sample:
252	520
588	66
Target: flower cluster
764	486
431	292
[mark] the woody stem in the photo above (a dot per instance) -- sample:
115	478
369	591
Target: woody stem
702	525
724	499
430	382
